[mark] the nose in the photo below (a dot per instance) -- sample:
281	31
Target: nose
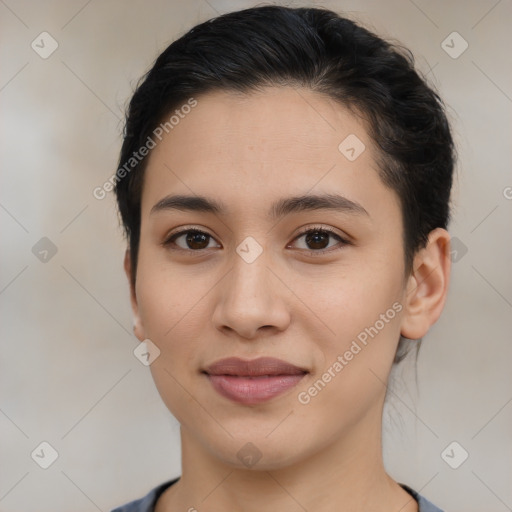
251	299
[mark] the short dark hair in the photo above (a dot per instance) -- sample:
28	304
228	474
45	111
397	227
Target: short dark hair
250	49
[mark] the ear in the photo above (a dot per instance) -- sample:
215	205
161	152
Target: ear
138	328
427	286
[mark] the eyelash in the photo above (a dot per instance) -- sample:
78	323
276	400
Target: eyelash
315	229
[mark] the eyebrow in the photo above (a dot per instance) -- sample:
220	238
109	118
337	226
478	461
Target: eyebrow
280	208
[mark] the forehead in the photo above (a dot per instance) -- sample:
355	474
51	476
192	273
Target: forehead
254	148
273	118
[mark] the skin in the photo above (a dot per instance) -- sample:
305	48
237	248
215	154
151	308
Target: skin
197	307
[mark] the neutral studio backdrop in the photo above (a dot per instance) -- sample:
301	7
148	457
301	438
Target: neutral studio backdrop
68	375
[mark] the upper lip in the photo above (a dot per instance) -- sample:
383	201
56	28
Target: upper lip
253	368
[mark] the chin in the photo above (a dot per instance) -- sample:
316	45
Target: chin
257	453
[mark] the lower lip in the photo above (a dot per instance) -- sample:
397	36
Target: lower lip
255	390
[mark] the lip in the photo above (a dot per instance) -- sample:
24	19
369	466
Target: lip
253	381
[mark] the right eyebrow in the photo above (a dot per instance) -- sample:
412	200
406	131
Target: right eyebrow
188	203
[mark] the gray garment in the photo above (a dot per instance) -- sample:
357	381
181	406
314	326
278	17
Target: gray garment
147	504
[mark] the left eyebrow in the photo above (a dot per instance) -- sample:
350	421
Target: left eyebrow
315	202
277	210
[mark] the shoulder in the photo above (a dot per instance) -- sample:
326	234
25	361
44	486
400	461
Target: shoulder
423	504
147	503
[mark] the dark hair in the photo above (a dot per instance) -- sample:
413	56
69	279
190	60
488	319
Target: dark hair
253	48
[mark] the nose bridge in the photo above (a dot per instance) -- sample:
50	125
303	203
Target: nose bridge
250	266
250	296
249	280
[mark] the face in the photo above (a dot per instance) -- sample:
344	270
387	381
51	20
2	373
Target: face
319	288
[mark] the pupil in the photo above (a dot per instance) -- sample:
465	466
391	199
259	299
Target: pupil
313	238
193	238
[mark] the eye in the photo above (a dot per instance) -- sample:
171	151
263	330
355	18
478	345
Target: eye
317	240
193	239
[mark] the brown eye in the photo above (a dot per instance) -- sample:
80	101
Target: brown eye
317	240
193	239
196	240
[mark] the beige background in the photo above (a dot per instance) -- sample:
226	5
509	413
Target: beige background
68	374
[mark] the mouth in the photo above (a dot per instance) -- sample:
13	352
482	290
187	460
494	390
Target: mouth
255	381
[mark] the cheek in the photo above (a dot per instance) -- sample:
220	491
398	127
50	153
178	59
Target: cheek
355	300
356	361
172	314
169	299
363	309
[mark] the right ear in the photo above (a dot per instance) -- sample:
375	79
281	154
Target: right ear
138	328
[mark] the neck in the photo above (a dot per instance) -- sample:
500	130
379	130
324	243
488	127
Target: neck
347	474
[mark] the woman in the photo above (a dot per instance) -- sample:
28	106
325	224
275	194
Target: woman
284	185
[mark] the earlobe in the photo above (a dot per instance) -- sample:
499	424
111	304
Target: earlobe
138	328
427	286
